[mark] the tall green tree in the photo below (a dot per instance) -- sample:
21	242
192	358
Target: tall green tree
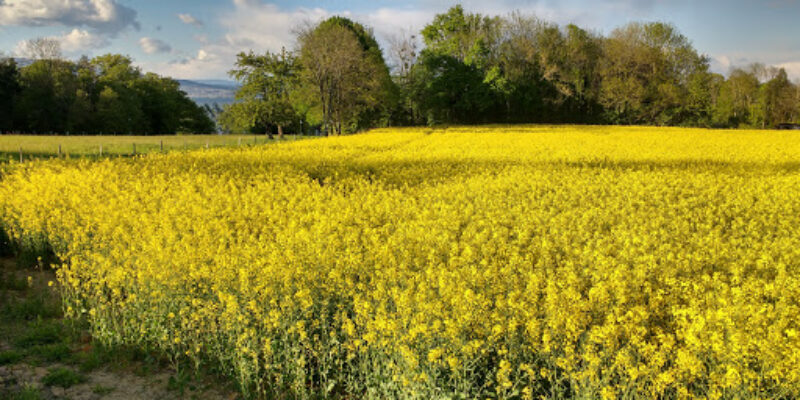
82	118
646	73
776	101
456	79
701	93
447	91
518	75
48	91
265	95
736	99
581	73
9	89
343	71
119	105
469	38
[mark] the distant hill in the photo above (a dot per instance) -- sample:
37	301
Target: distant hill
209	91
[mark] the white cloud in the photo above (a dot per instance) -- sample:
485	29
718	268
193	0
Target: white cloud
724	63
102	15
78	41
75	42
387	21
152	46
190	20
212	61
260	26
792	69
265	26
251	25
720	64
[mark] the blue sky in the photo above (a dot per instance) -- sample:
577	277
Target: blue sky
199	39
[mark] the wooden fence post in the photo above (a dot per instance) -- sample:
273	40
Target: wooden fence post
20	153
101	149
162	145
240	142
206	144
59	151
134	149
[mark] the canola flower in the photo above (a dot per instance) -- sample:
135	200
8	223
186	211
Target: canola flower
475	262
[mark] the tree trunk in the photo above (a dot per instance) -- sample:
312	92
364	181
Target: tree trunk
280	132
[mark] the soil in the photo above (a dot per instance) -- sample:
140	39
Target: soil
101	384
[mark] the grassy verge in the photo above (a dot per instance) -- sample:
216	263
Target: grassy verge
42	146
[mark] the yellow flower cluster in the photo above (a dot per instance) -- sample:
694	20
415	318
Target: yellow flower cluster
482	262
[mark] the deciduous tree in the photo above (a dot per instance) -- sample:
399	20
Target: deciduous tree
267	83
344	69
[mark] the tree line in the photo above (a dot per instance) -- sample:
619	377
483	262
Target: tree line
473	69
103	95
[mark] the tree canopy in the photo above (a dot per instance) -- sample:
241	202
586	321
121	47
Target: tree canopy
474	68
462	68
103	95
343	70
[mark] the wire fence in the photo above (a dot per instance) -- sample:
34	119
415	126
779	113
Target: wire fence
28	147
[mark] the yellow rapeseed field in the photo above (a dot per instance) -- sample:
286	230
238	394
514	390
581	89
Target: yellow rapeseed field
476	262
